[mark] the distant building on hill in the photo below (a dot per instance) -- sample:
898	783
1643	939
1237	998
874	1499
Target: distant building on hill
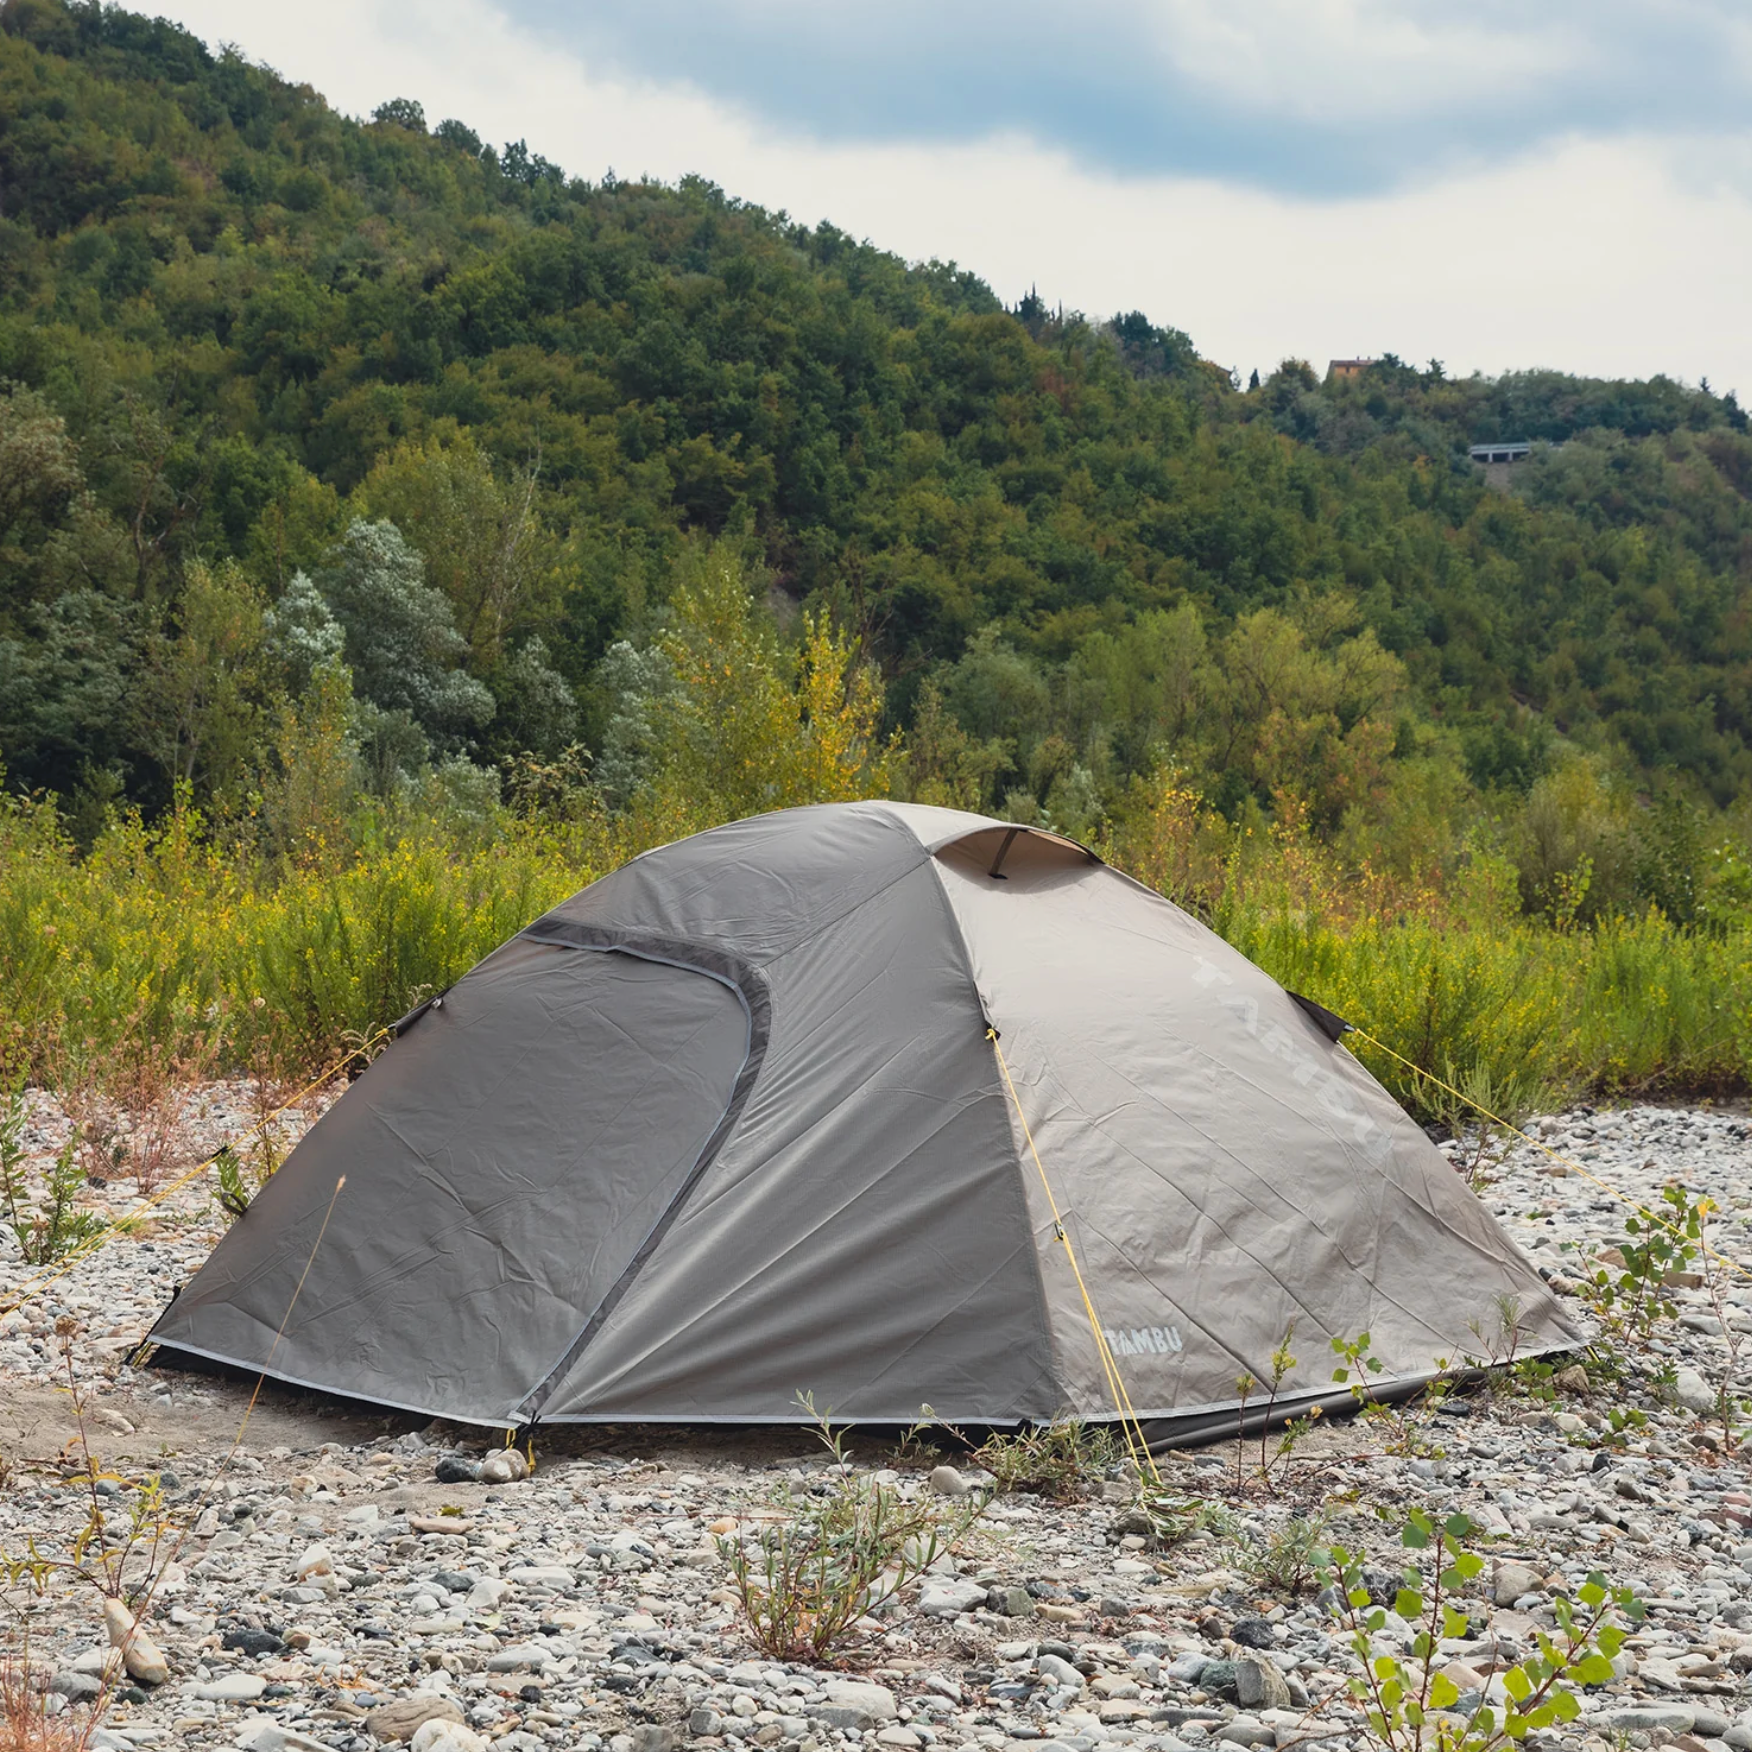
1497	460
1337	368
1508	450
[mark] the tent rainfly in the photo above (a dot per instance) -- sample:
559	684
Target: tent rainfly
732	1124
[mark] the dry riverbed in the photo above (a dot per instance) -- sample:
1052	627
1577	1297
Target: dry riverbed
343	1577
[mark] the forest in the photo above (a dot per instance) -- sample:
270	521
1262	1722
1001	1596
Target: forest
375	498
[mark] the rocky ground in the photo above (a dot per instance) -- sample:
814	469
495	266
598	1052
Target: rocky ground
348	1581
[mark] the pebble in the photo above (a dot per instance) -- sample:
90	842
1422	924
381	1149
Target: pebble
329	1597
947	1481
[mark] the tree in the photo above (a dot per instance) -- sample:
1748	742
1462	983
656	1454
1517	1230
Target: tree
301	633
401	112
478	531
537	712
64	690
731	723
400	641
200	702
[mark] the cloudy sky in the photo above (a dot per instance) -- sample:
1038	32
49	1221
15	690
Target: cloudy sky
1493	183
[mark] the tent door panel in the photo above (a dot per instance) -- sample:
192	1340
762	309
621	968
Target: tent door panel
505	1161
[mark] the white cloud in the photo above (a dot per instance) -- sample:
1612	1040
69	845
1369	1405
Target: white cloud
1319	58
1596	256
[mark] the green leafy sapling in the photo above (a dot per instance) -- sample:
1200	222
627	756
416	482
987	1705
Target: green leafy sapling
1409	1703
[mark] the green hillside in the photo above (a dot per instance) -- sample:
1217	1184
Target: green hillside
240	334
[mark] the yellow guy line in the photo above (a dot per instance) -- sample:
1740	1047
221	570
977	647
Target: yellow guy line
34	1287
1644	1211
1128	1417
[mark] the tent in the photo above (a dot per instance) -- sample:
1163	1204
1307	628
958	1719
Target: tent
832	1101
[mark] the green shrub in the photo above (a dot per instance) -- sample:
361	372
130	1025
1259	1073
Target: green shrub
805	1578
1409	1704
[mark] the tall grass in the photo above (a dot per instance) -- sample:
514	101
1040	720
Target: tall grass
177	946
163	941
1447	972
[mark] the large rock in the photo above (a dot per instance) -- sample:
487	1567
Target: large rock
1260	1685
549	1576
945	1597
1513	1580
315	1562
262	1735
447	1737
141	1656
1693	1392
1219	1679
517	1656
1060	1671
1011	1602
232	1688
854	1703
1644	1718
402	1718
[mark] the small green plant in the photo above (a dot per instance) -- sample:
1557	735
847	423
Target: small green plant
805	1580
1173	1516
1730	1411
1356	1363
1061	1460
118	1555
1272	1457
1633	1299
915	1447
1289	1559
1408	1422
233	1195
1408	1703
1622	1422
50	1228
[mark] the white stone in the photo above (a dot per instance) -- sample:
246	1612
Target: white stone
1693	1392
447	1737
874	1701
316	1561
233	1688
946	1597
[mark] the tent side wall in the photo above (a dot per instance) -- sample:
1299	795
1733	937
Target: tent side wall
1226	1172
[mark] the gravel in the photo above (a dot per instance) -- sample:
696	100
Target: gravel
354	1581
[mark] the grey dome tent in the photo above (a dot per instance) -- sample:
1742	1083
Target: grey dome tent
728	1125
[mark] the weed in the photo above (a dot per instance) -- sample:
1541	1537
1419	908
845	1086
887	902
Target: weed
1632	1298
1356	1364
120	1562
1501	1343
1061	1460
1407	1422
1288	1560
1173	1517
915	1448
805	1581
233	1195
54	1225
1729	1411
26	1724
1408	1703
